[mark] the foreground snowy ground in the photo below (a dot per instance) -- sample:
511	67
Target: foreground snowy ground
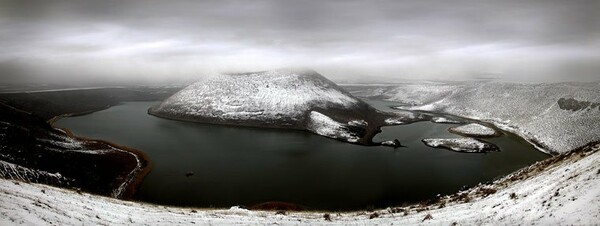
564	189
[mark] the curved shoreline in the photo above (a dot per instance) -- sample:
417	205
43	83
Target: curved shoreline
135	177
140	110
132	185
52	120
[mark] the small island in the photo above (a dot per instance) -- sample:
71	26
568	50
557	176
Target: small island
474	130
466	145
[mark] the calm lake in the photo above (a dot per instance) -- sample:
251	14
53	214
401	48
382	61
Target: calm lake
247	166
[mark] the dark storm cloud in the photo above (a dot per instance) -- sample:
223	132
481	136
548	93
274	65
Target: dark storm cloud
347	40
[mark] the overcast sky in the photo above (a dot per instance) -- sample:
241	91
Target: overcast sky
156	41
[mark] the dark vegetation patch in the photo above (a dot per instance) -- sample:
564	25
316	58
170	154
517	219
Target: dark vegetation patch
374	215
485	191
327	217
572	104
427	217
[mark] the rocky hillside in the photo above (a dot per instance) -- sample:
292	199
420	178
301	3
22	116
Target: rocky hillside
33	151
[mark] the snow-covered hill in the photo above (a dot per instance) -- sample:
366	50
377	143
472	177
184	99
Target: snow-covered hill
285	98
557	117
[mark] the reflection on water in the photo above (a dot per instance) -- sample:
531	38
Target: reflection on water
246	166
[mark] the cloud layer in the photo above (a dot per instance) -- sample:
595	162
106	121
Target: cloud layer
362	41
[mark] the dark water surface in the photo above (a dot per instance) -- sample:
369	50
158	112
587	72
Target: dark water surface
247	166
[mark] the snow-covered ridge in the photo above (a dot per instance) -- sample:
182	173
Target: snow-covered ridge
555	117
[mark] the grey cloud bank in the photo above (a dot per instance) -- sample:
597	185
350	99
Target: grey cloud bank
356	41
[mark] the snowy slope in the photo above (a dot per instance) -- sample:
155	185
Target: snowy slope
269	95
558	117
563	190
279	99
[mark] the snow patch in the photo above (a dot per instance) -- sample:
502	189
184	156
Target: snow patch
394	121
403	117
325	126
392	143
438	119
360	123
475	130
239	210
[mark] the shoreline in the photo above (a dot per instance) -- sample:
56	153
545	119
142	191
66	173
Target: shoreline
52	120
235	124
132	182
135	181
143	167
